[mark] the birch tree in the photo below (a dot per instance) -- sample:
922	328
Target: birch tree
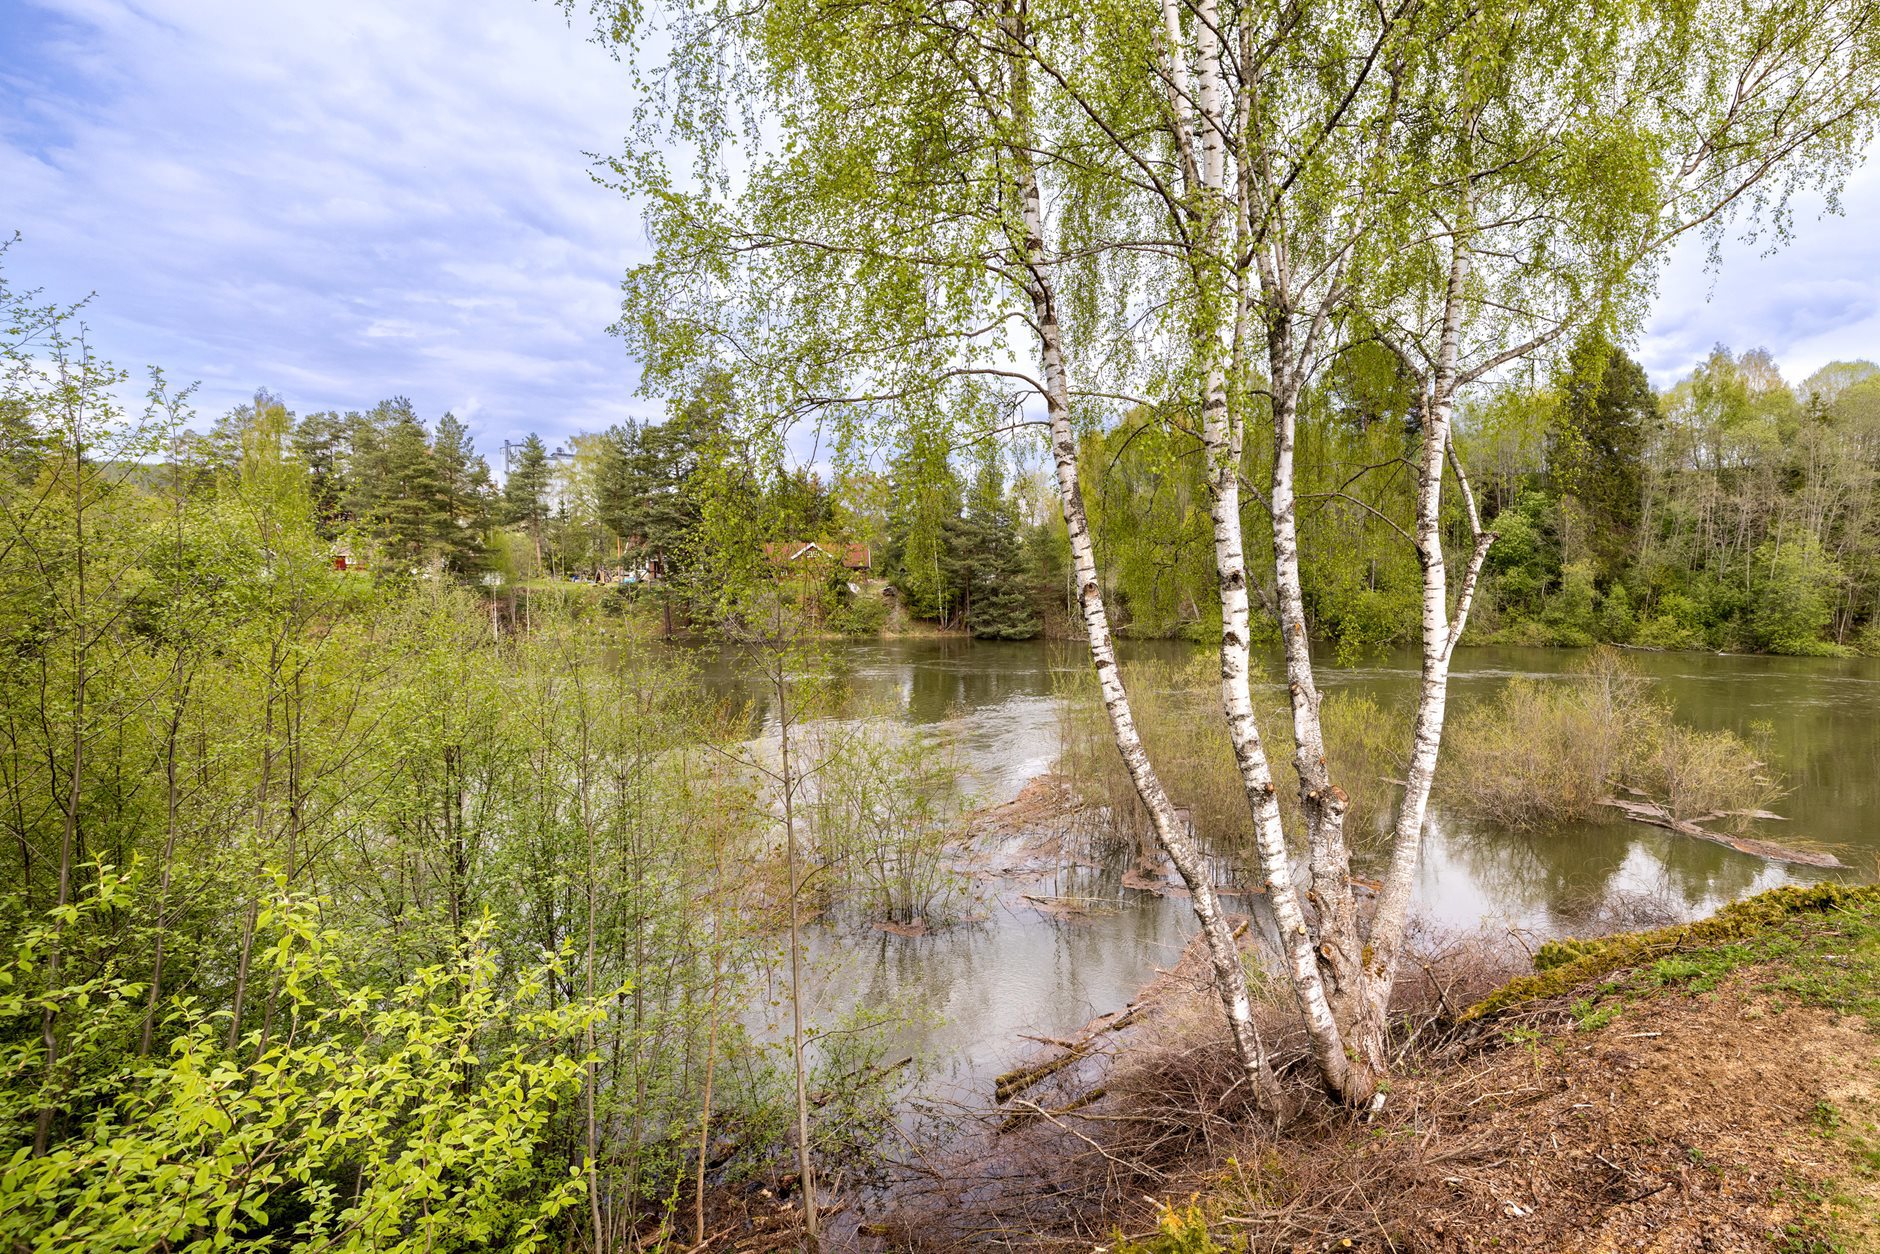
1192	208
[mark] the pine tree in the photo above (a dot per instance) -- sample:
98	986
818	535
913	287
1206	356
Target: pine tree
525	491
1599	450
464	480
320	447
413	511
998	602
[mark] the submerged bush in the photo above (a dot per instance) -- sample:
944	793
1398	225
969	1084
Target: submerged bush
1549	751
1698	773
1177	710
1544	751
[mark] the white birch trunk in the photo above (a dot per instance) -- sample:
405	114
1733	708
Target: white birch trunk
1223	434
1439	636
1224	955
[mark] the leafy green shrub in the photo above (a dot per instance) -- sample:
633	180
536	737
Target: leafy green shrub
1525	559
1677	623
1572	611
859	616
1794	598
1616	621
1867	640
404	1119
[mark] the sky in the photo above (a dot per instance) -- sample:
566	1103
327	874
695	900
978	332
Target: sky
346	201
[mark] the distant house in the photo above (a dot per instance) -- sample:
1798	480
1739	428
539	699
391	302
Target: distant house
850	556
638	563
346	558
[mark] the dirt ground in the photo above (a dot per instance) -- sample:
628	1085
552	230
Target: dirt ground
1707	1106
1688	1123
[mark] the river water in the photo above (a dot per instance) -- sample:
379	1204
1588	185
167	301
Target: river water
973	992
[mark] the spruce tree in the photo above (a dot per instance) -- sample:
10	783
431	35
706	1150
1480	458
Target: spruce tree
998	600
1598	451
412	510
464	480
525	491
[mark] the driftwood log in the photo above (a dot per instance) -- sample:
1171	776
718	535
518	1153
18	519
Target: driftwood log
1656	815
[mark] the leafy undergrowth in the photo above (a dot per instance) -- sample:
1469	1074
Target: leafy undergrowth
1713	1086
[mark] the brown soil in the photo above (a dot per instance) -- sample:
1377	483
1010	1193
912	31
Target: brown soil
1689	1123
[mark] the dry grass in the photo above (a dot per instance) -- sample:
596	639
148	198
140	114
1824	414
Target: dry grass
1547	752
1178	712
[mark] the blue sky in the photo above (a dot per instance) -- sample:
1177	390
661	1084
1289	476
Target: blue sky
345	201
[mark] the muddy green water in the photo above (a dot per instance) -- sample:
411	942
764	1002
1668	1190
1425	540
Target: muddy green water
974	991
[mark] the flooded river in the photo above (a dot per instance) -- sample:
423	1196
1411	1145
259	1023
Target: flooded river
975	991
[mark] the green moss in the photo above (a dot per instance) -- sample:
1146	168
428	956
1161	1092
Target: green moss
1670	958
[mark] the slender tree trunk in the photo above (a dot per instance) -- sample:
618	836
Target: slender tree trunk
171	805
1223	434
1230	978
593	1059
69	834
261	835
805	1164
711	1054
1441	629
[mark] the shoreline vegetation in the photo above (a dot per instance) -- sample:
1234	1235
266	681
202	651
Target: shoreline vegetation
1572	1109
1590	744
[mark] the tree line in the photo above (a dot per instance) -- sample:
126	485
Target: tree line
1731	511
961	547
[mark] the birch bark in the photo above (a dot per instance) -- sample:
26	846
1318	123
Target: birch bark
1223	433
1224	955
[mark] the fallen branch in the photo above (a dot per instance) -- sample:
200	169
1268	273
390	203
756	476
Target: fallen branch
1652	813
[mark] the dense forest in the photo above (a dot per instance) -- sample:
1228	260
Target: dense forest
1732	511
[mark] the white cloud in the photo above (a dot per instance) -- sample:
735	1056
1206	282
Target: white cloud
1813	301
340	201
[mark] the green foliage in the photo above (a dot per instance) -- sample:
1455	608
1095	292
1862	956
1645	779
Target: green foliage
381	1119
525	490
1778	923
1794	598
1605	424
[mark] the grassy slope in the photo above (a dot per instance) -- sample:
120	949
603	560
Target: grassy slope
1713	1086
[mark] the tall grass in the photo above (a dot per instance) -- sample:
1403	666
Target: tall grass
1549	751
1177	709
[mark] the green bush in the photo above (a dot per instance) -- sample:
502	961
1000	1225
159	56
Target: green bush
859	616
1616	621
1794	597
1677	623
1545	752
405	1119
1572	612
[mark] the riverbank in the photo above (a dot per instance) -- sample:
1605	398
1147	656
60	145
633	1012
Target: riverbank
1709	1086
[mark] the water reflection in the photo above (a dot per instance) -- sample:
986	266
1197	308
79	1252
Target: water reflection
1020	971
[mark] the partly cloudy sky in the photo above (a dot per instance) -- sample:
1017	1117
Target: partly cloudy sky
345	201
